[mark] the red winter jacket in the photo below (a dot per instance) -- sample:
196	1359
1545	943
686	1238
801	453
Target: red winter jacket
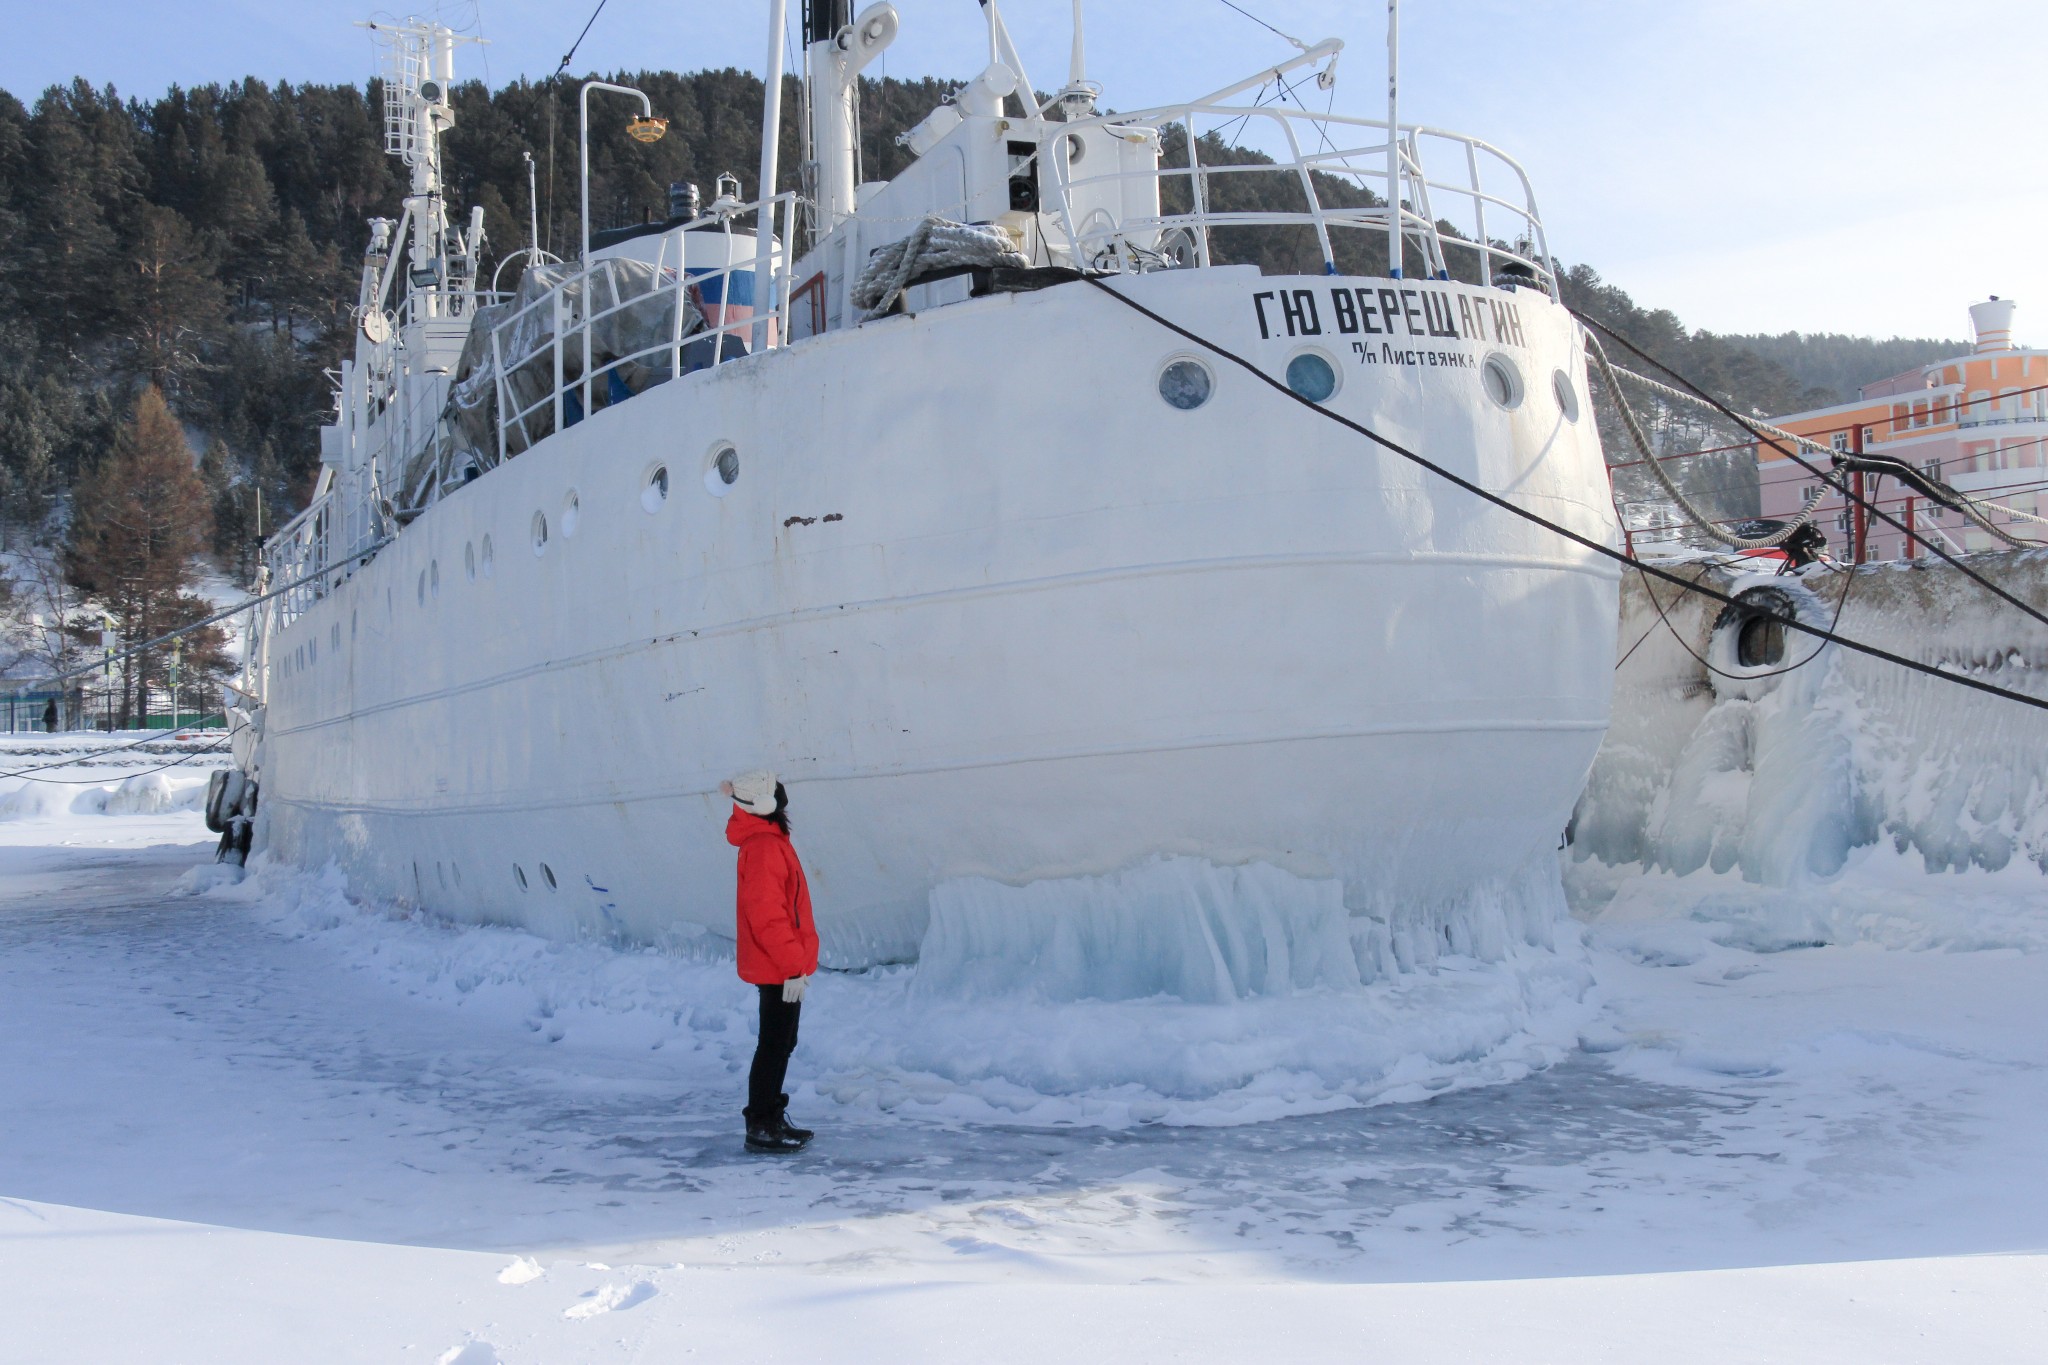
777	940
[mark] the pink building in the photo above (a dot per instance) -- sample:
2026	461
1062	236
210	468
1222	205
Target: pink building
1978	422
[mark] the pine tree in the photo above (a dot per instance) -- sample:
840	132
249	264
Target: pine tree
174	302
139	519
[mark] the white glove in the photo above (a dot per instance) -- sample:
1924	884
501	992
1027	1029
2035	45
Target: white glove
793	990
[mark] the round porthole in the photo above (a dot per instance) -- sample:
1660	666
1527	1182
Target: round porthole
469	560
434	578
1567	396
656	492
572	512
423	587
519	875
722	472
1311	375
1186	384
548	875
540	533
490	564
1503	382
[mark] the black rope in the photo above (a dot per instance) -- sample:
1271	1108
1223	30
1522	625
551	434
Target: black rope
1826	476
1260	22
570	55
1584	542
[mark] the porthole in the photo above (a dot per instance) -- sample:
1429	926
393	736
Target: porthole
1502	381
548	875
423	587
540	533
434	578
1186	384
1311	375
334	638
1567	396
519	875
656	492
722	471
572	512
313	650
469	560
489	560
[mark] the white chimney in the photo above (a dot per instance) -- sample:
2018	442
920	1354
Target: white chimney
1993	321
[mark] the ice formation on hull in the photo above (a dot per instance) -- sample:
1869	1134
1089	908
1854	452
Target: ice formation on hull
1781	770
1191	930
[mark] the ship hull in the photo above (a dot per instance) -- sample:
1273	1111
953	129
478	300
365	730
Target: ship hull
991	608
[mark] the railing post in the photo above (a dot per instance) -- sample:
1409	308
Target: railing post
498	377
556	347
1196	196
1859	516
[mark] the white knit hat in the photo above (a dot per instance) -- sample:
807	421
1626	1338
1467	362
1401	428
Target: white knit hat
755	792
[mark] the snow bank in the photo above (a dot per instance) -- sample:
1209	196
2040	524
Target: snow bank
1296	1009
143	794
1782	775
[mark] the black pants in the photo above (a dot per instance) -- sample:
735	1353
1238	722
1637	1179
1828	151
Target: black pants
771	1053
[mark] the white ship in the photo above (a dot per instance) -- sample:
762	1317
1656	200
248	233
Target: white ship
1006	579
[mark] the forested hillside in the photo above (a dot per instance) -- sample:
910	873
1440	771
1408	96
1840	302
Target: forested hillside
1837	365
205	243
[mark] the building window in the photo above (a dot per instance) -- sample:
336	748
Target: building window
1841	442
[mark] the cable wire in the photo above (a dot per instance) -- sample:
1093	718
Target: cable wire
213	748
1537	519
1827	476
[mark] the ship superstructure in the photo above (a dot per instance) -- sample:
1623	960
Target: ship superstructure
872	485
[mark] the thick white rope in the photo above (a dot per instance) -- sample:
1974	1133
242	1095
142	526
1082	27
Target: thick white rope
1670	486
1966	505
934	244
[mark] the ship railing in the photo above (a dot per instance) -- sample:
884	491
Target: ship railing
447	305
1340	182
300	554
586	377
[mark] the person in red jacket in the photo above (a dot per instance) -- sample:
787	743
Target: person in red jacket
778	948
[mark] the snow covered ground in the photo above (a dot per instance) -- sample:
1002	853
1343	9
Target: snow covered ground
255	1122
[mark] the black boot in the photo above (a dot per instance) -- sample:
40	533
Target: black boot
789	1129
764	1134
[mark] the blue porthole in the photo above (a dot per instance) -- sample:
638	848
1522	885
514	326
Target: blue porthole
1311	375
1186	384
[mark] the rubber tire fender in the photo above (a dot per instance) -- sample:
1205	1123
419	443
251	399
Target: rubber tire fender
216	785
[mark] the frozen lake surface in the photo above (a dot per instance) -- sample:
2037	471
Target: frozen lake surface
253	1122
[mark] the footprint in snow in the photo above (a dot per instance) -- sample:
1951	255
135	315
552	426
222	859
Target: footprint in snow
611	1298
525	1270
469	1353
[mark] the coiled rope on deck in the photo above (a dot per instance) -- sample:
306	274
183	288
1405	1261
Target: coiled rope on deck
937	243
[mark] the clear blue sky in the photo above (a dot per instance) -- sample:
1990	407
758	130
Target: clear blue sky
1826	165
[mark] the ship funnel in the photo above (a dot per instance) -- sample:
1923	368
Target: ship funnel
1993	321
